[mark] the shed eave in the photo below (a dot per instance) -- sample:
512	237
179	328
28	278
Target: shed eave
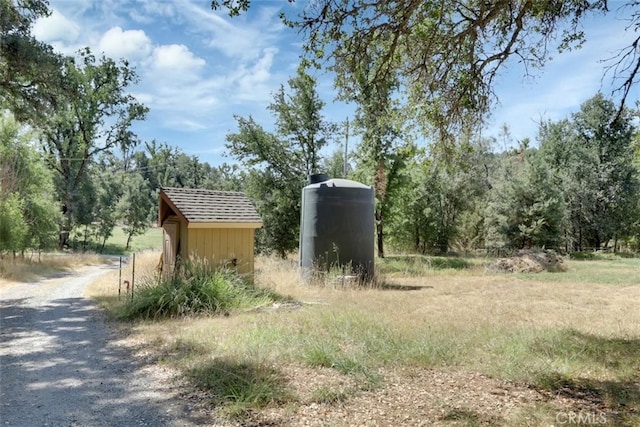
166	202
222	224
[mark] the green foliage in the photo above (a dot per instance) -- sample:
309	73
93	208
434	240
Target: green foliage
278	202
525	208
136	206
29	70
334	165
234	7
408	224
446	54
93	115
280	162
438	207
299	121
384	150
13	228
196	288
164	166
108	191
30	213
591	157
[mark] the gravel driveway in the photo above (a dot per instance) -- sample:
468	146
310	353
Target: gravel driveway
60	364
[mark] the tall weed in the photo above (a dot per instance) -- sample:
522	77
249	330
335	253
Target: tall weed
195	288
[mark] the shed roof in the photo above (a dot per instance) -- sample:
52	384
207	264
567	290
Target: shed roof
208	206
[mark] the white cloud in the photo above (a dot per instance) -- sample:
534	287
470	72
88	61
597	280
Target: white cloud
177	58
56	28
143	97
164	9
140	18
261	71
183	102
130	44
254	83
235	38
197	67
187	125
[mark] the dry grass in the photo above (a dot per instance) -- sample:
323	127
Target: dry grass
477	347
476	297
30	268
106	288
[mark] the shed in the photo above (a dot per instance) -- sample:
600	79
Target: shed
217	226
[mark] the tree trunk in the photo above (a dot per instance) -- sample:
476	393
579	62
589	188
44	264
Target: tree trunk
580	239
380	188
128	241
85	238
380	232
65	227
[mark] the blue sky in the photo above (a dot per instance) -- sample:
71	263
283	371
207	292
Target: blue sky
198	67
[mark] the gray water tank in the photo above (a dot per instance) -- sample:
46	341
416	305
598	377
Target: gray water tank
337	227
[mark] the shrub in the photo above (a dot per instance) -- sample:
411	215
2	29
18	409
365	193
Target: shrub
195	288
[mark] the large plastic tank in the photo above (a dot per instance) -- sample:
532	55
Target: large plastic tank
337	227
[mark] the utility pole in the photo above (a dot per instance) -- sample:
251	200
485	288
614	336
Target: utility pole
346	150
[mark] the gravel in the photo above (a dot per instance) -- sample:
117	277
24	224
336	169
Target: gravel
61	363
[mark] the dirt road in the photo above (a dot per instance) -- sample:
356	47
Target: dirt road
60	364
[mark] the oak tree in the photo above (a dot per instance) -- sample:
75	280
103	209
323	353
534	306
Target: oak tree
93	116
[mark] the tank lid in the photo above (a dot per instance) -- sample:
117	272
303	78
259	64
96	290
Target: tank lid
317	177
339	183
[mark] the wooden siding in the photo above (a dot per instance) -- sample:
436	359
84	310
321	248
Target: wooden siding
221	245
170	230
183	247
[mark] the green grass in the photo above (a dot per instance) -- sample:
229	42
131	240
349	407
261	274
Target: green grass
240	386
150	240
613	271
362	333
603	371
195	289
417	265
604	256
358	345
469	417
331	395
557	361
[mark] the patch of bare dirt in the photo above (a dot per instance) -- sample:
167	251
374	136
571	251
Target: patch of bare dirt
527	261
407	397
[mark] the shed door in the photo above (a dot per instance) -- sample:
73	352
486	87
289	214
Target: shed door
169	248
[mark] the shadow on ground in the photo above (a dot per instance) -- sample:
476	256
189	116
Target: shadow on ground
617	397
59	366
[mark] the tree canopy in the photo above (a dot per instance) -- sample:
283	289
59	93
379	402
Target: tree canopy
29	69
448	54
93	115
281	161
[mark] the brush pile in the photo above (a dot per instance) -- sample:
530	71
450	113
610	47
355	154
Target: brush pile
529	261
